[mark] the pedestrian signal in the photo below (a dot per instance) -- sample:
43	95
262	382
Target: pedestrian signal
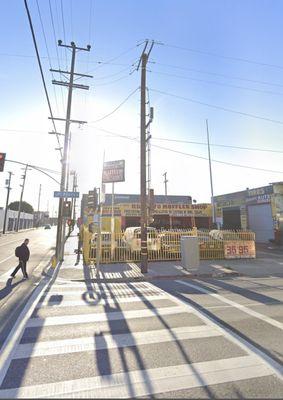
67	209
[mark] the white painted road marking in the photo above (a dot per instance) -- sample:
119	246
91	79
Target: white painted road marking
150	381
47	302
241	307
101	317
108	341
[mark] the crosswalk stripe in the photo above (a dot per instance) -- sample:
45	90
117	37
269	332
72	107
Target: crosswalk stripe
85	318
108	341
97	301
241	307
148	381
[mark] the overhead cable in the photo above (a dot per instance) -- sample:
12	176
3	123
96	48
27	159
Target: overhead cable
218	74
116	108
207	53
41	71
220	145
135	139
245	114
216	83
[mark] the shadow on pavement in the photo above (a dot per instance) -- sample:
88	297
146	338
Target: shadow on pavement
9	288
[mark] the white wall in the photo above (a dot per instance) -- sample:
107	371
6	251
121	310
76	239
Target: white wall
25	222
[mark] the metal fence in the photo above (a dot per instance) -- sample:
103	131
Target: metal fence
163	245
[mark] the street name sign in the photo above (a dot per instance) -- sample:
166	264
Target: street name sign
67	194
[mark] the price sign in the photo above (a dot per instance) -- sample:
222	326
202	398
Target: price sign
239	249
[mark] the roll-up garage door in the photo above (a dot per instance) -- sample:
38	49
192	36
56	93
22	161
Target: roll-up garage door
260	222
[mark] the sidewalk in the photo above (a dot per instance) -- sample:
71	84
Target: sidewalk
73	269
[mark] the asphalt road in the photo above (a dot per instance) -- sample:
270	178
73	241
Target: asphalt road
13	293
181	338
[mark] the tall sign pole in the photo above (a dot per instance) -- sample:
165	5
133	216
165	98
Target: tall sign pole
7	201
210	174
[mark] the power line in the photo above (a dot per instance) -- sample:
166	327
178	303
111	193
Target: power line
220	145
218	107
218	74
216	83
225	57
192	155
115	58
116	80
64	31
56	48
41	70
116	108
47	51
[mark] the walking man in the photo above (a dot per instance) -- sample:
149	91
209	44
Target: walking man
22	252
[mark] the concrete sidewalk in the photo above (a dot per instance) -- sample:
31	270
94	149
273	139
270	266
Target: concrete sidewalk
73	269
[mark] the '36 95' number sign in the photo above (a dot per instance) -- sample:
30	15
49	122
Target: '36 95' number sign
239	249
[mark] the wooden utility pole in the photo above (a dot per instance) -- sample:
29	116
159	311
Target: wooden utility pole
7	201
60	239
143	198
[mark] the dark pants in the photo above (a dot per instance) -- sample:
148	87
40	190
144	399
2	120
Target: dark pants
23	266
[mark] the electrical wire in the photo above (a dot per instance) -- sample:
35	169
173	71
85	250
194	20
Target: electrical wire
224	57
191	155
41	71
220	145
116	108
218	107
56	48
48	54
216	83
64	31
116	80
217	74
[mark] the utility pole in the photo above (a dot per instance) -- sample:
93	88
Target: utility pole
60	239
21	198
7	201
143	198
210	174
165	183
38	205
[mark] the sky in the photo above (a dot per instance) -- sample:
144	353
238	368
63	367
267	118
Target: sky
214	60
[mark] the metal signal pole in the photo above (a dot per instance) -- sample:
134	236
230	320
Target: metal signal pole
7	201
21	198
143	199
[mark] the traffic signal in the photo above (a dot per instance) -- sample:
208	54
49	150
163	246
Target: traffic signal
2	161
67	209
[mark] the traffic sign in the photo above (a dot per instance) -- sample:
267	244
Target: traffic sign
67	194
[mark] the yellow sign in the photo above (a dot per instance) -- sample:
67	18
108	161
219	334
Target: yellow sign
239	249
197	210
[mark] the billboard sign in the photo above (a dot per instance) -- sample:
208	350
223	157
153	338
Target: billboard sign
113	171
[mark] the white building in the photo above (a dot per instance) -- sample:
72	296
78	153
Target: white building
26	220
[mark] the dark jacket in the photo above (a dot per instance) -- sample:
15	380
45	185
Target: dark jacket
24	252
